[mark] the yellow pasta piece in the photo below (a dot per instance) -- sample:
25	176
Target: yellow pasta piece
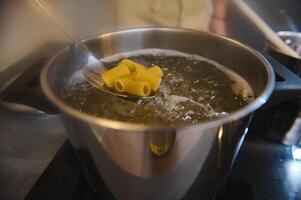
133	78
153	79
132	66
111	75
156	70
137	88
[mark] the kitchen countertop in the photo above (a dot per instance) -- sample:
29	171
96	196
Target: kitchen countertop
264	170
28	142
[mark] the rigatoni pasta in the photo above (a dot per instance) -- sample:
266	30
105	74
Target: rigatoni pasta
133	87
111	75
156	70
132	66
133	78
152	78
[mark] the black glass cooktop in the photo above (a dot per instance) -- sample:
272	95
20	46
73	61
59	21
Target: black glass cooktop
263	170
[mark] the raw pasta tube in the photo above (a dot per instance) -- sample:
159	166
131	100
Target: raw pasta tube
111	75
156	70
128	85
132	66
153	79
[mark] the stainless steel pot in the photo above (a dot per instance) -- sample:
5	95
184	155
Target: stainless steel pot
125	154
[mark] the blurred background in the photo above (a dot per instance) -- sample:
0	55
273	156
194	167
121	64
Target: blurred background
23	28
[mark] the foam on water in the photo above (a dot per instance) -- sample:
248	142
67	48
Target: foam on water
168	105
174	100
76	77
241	87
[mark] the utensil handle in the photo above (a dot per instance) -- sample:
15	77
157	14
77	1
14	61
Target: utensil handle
288	87
76	40
269	34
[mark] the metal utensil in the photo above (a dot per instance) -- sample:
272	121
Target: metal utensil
94	66
269	34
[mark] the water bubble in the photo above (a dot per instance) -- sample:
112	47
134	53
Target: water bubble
200	98
187	68
193	90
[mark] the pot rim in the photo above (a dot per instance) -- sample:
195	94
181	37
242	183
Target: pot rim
126	126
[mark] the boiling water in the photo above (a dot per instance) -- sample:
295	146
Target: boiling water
193	89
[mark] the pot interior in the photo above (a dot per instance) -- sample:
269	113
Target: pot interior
234	56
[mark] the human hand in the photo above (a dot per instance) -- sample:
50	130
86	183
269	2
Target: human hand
218	26
218	20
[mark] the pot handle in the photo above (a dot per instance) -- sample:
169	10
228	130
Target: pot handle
287	85
26	90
